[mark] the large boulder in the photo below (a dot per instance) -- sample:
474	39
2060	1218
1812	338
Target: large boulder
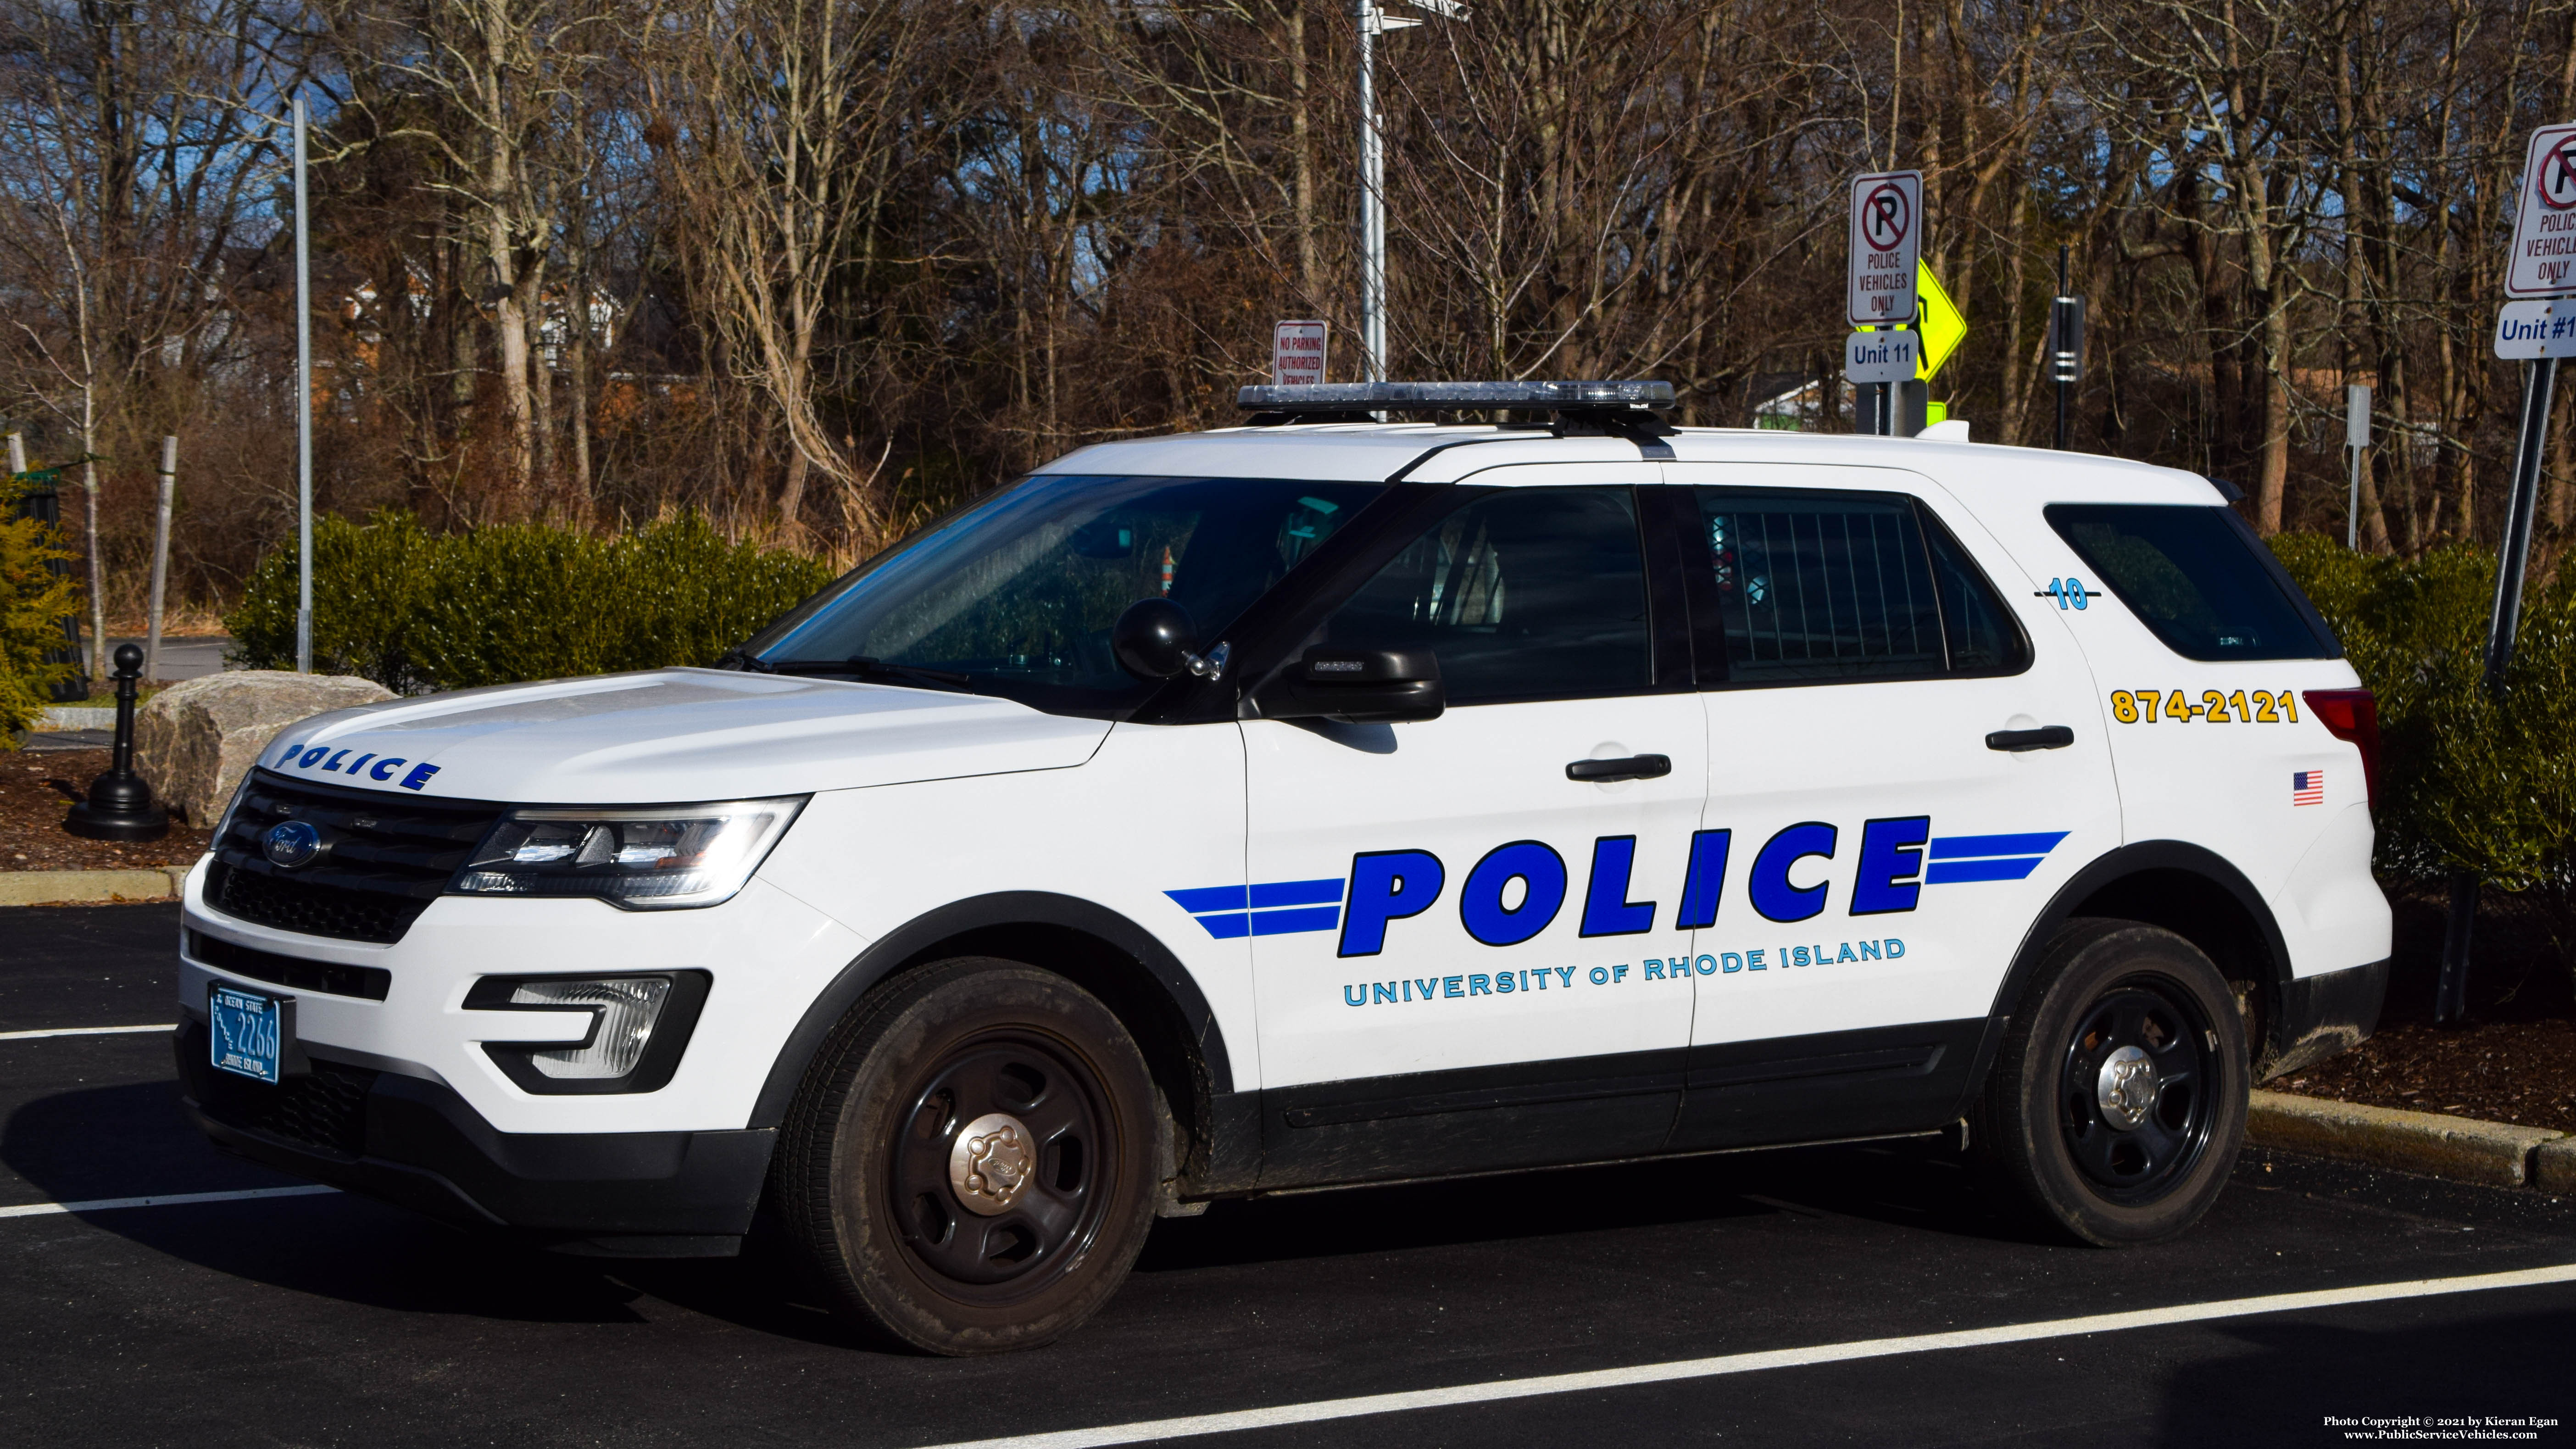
194	740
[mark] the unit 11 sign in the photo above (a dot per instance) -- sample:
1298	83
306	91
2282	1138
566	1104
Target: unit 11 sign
2543	263
1297	353
1882	356
1886	233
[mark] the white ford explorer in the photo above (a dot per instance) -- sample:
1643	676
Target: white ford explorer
1328	801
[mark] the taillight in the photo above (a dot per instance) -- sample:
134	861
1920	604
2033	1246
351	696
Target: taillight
2351	714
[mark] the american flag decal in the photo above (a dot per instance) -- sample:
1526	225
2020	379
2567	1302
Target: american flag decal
2308	787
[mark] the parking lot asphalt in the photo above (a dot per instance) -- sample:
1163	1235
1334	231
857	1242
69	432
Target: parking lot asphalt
329	1319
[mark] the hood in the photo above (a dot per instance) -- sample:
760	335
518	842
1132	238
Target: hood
674	735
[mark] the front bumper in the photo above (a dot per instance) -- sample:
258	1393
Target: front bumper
2321	1015
418	1144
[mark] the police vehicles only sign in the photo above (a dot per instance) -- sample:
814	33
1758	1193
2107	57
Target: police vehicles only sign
2543	261
1886	234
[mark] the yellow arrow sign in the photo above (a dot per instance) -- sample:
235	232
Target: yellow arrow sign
1938	319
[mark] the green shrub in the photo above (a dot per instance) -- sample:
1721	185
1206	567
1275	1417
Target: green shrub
2467	781
34	600
417	611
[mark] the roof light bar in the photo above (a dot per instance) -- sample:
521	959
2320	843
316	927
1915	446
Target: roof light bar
1423	397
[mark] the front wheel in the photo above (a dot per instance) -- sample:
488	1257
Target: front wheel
2117	1104
968	1167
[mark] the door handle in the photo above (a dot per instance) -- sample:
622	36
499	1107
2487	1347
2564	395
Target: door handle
2046	737
1634	767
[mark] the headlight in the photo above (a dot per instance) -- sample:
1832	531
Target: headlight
232	807
655	858
639	1025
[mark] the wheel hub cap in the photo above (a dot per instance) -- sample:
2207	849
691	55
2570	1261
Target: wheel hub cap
2126	1088
990	1163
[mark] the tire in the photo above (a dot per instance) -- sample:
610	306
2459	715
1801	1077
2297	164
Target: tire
2093	1146
929	1226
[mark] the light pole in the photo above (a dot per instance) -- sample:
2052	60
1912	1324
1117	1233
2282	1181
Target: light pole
303	416
1373	22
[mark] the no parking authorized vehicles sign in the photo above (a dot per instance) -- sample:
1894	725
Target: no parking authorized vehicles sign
2543	263
1886	235
1297	353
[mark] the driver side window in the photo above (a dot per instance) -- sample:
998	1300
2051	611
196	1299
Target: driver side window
1525	593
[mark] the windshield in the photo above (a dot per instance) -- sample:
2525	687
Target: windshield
1016	595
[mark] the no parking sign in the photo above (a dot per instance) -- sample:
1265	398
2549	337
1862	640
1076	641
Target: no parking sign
2543	262
1886	235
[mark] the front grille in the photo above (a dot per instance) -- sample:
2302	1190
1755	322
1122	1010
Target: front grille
387	859
366	982
325	1108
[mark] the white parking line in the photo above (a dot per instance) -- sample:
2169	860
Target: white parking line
87	1031
1697	1368
176	1199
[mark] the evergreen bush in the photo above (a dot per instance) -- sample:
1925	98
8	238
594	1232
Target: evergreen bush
2467	781
34	600
417	611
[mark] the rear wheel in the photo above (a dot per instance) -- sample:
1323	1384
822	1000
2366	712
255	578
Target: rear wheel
2117	1104
969	1165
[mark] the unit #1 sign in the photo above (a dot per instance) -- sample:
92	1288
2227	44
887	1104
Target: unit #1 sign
1886	236
2527	330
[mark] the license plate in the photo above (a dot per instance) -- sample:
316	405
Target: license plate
249	1032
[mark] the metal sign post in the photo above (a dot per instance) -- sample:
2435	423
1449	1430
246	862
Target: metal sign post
160	556
2356	436
2542	265
1373	22
2065	349
303	417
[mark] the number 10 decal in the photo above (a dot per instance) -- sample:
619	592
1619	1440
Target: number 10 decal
2069	592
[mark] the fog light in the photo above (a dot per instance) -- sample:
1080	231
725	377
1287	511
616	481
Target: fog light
626	1007
639	1026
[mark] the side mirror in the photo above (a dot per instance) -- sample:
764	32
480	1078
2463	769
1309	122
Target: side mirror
1154	639
1358	686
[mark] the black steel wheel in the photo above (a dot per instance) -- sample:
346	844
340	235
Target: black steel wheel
2136	1117
2116	1103
968	1165
999	1213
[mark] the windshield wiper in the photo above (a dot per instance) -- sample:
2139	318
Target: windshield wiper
861	666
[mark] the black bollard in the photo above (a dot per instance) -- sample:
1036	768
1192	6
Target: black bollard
120	805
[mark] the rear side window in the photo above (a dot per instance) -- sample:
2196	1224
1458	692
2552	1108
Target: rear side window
1823	586
2196	576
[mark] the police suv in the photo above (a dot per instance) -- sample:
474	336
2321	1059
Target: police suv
1329	801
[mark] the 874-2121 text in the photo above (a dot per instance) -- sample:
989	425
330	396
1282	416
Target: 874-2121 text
2257	706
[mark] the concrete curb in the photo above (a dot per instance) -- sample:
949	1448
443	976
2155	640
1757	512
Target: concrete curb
55	887
2553	1167
2460	1149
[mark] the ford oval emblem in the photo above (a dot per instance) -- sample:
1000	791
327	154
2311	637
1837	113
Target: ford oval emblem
291	844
